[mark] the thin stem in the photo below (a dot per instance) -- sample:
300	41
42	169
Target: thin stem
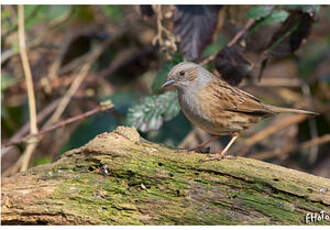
233	41
27	71
29	83
102	107
20	135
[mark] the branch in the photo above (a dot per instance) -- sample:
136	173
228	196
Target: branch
240	33
286	122
29	83
282	151
25	129
101	108
94	54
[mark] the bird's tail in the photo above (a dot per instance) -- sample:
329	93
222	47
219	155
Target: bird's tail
276	109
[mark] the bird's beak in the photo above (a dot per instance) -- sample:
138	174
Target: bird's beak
167	84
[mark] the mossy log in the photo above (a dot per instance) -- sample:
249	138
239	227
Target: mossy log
120	179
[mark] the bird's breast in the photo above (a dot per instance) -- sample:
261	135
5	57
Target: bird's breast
195	112
191	107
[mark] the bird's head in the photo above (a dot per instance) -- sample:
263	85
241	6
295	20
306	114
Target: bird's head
185	75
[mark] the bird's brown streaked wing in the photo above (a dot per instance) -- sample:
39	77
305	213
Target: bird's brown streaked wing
234	99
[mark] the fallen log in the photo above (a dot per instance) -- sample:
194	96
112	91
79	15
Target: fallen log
119	178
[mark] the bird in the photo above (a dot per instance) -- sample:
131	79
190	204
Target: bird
215	106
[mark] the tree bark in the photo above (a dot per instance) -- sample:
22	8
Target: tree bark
120	179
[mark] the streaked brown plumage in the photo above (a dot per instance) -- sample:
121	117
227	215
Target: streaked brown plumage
215	106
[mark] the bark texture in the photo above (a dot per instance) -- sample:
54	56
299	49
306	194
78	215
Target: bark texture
120	179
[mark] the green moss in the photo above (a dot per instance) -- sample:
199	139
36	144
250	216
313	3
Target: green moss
162	186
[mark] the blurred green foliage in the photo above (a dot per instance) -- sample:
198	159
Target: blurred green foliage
161	76
215	46
163	72
317	52
115	13
7	80
259	12
276	16
41	161
35	14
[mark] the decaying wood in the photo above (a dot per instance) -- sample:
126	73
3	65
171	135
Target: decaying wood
119	178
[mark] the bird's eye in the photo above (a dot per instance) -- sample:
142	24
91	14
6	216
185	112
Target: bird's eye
181	73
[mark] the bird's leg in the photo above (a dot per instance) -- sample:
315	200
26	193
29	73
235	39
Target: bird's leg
213	138
221	154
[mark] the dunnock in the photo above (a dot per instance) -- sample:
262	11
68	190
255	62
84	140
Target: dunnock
215	106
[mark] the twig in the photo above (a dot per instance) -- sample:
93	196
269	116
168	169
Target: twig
316	141
67	97
75	85
277	152
53	70
26	128
29	83
311	122
290	148
233	41
102	107
240	33
290	120
37	41
94	55
58	112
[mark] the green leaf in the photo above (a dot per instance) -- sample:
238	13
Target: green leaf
276	16
113	12
153	111
177	58
6	80
83	13
258	12
34	14
214	47
57	11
